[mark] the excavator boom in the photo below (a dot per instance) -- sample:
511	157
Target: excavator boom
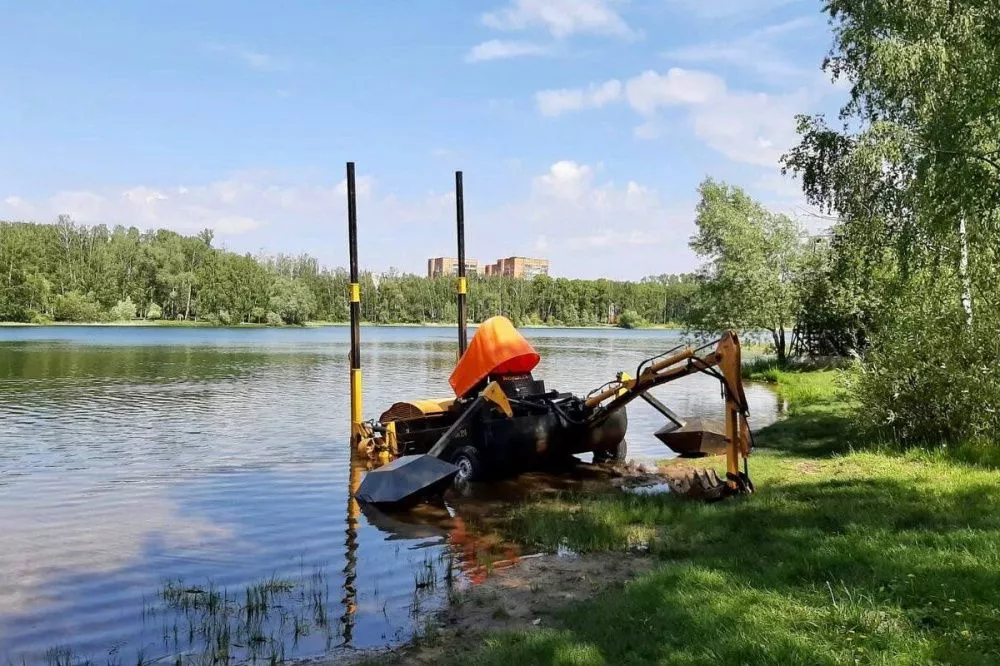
695	438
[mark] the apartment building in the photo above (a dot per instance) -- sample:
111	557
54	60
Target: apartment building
438	266
517	267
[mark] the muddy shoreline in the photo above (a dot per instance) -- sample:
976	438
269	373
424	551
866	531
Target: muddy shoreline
527	592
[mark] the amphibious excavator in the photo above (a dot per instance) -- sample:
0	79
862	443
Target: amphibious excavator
502	420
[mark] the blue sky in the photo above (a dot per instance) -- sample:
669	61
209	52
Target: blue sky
583	126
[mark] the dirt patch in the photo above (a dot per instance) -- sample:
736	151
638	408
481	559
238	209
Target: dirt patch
525	596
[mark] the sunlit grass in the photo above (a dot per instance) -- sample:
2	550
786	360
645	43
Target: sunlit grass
847	554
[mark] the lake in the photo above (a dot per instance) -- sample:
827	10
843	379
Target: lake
167	490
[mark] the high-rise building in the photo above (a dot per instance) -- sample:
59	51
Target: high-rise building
517	267
438	266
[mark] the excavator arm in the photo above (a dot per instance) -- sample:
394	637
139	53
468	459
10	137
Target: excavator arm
701	438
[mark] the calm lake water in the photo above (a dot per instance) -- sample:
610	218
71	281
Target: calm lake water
149	476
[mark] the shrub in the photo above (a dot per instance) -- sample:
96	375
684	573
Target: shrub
224	318
930	378
74	306
123	310
257	314
630	319
154	311
274	319
39	317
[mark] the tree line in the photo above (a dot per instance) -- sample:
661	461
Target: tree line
71	272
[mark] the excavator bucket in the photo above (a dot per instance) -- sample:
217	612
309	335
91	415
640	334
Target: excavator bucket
697	438
699	484
406	480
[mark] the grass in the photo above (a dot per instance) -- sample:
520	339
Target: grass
203	624
847	554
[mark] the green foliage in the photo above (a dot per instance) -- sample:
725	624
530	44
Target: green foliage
913	176
123	310
74	306
630	319
292	300
154	312
39	318
274	319
751	261
931	379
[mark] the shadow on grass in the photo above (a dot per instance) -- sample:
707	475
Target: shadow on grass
816	432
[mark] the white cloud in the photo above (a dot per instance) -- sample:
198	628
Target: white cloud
750	127
729	9
651	90
755	128
565	180
557	102
561	18
498	49
256	60
756	52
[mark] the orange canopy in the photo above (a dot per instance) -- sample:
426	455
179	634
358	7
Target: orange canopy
496	348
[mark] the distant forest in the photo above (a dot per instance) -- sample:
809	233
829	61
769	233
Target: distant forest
76	273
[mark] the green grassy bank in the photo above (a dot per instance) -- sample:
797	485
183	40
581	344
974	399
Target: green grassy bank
847	554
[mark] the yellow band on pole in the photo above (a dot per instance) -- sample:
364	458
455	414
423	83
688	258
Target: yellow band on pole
462	285
356	411
355	292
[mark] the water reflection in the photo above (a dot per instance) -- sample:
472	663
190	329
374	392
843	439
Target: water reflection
131	460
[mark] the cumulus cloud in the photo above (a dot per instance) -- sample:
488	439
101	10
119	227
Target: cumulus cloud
651	90
561	18
499	49
594	227
755	128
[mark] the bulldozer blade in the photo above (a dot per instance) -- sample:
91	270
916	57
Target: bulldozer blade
696	439
406	481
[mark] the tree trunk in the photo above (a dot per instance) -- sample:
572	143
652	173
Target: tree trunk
963	271
187	308
779	344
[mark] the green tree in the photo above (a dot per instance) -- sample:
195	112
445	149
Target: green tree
750	257
912	174
630	319
123	310
916	164
76	307
291	300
